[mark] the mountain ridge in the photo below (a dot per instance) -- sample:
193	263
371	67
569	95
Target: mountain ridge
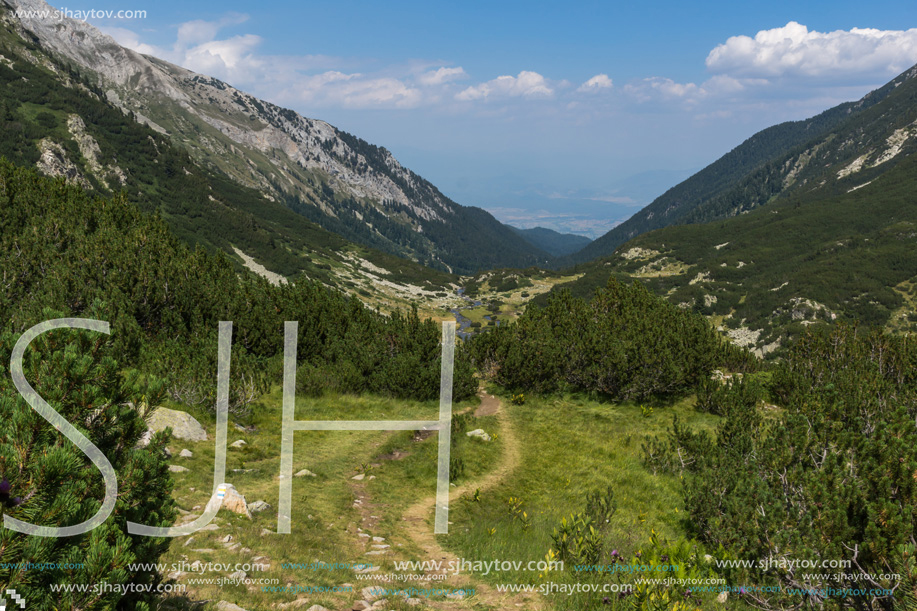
333	178
821	233
740	179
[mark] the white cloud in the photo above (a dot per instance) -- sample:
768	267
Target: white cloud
596	83
198	31
356	90
223	57
656	87
527	84
130	40
442	75
795	51
774	68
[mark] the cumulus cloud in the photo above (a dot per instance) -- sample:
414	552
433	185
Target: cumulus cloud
311	79
596	83
442	75
223	57
357	91
527	84
796	51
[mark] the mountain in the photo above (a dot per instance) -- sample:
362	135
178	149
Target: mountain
346	185
772	163
824	232
553	242
52	120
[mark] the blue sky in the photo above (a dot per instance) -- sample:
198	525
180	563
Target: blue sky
568	116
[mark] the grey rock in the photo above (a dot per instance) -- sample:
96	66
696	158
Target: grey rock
183	425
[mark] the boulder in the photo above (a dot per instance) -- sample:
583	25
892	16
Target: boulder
233	501
258	506
186	454
480	434
304	473
177	469
371	593
238	443
228	606
183	425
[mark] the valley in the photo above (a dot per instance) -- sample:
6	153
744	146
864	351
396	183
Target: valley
675	416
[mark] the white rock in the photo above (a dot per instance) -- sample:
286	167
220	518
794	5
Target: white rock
186	453
480	434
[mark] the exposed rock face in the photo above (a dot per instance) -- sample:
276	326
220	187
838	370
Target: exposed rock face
303	146
92	154
332	177
183	425
55	162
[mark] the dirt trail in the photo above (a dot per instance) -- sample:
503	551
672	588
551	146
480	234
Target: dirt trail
419	517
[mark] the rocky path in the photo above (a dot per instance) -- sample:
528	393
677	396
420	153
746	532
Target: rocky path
419	517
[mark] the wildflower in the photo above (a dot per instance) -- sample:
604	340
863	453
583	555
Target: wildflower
5	488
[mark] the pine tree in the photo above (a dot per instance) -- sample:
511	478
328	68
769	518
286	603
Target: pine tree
47	481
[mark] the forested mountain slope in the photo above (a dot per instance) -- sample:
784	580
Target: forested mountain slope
346	185
839	149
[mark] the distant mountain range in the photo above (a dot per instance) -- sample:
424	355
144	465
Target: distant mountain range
804	223
553	242
342	183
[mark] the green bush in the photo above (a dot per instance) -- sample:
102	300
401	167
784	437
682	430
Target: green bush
52	483
832	477
625	343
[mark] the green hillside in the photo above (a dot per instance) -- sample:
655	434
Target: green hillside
783	159
802	260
